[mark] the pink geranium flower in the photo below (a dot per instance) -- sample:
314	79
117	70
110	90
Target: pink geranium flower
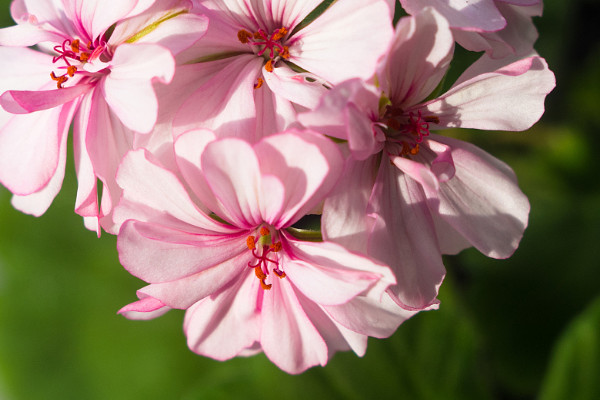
501	28
97	66
247	283
408	195
258	63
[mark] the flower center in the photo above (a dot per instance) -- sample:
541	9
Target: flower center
268	46
405	133
263	249
72	52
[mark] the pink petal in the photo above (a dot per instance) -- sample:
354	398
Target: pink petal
144	309
159	193
33	72
224	325
231	111
128	88
345	112
24	35
97	127
404	238
288	337
24	102
327	48
175	33
418	58
38	202
510	98
328	274
301	88
372	317
418	172
307	179
157	254
231	169
336	336
207	282
483	201
188	149
276	114
95	17
470	15
345	218
30	148
517	38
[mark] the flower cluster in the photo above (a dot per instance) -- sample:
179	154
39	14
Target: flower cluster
210	135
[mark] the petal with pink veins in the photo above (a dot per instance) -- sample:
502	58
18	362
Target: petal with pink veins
225	325
483	201
510	98
158	192
314	266
307	179
327	48
288	337
418	59
128	88
157	254
404	237
470	15
231	169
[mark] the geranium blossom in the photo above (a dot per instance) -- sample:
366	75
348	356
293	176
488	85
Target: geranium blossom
409	195
97	64
500	27
258	62
247	283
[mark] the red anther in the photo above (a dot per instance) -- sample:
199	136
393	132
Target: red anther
259	83
83	57
264	231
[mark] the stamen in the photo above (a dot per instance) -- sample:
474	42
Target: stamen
69	51
285	53
261	255
265	42
59	79
269	66
71	70
244	36
259	83
405	132
251	242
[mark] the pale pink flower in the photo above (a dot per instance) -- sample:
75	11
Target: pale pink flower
257	65
97	67
247	283
408	195
501	28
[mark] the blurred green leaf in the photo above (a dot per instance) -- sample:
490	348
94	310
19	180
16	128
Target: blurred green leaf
574	371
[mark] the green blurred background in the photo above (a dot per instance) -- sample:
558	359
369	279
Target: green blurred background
523	328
